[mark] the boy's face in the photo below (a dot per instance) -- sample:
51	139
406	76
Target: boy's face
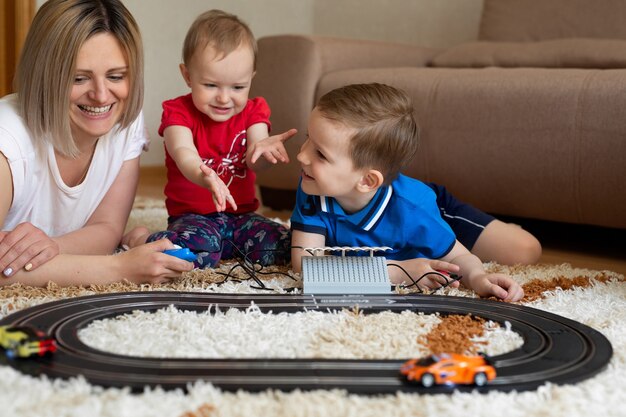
220	84
327	167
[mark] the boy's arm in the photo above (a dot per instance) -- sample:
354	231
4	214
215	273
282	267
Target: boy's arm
180	146
271	148
299	240
476	278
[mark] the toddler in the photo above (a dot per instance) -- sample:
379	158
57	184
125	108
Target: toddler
216	137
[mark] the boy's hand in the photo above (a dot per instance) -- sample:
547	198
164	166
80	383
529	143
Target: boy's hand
427	273
499	285
221	193
271	148
483	283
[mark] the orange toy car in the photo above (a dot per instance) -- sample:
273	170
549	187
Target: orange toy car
449	368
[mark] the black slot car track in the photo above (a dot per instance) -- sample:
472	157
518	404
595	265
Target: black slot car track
555	349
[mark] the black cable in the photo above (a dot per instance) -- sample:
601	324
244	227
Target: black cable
414	282
249	267
307	250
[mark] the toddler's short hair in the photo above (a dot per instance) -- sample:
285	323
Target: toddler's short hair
223	31
387	134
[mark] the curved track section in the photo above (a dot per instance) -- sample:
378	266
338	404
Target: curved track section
555	348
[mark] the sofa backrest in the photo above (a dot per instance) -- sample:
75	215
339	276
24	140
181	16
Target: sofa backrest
544	34
536	20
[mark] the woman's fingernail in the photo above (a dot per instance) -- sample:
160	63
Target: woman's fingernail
28	266
7	272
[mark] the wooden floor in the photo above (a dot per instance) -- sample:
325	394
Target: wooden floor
581	246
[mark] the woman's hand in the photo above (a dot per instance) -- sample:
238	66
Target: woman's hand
428	274
26	247
148	264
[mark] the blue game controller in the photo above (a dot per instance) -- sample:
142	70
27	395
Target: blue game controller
182	253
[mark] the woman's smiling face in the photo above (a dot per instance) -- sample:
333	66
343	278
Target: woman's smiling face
100	89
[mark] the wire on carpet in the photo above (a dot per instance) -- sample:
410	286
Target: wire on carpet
249	267
415	282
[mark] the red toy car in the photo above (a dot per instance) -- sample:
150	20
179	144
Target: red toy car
23	342
449	368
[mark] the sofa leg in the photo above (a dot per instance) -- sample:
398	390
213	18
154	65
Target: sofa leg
278	199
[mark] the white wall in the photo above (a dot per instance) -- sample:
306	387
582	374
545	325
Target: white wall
164	23
434	23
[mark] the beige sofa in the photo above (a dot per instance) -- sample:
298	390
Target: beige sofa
528	121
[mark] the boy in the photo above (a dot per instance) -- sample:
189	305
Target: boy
351	192
215	140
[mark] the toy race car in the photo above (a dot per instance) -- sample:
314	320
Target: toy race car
450	369
23	342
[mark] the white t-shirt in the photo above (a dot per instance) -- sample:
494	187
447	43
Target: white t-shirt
39	194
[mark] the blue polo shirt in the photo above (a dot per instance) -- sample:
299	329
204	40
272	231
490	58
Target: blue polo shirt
403	215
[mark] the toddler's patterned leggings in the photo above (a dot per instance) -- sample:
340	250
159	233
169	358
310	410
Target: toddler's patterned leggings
226	236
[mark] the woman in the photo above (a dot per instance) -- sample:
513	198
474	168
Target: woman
70	140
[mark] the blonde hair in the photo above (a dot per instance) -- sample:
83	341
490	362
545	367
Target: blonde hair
223	31
386	134
46	69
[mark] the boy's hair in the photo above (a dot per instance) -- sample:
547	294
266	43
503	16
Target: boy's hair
223	31
387	134
46	69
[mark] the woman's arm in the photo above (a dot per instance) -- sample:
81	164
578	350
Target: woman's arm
143	264
6	185
26	246
103	231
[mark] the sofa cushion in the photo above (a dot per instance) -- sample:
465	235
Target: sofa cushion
533	20
558	53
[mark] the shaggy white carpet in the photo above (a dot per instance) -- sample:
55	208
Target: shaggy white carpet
601	305
170	333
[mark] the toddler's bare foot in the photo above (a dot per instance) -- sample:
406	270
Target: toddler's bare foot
136	237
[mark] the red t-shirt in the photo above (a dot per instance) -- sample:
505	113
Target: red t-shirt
222	145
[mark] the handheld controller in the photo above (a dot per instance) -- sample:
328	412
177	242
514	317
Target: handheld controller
182	253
